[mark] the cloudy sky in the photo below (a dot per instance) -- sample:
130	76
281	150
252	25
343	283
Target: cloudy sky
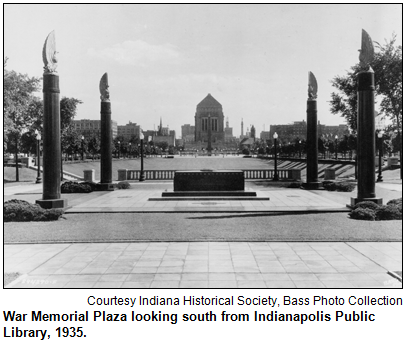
162	60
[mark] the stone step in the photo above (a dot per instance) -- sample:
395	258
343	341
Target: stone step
217	198
209	194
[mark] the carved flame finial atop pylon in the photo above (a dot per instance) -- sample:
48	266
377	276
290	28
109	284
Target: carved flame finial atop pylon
312	86
104	89
366	54
49	54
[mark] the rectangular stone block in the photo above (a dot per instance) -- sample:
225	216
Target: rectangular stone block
89	175
219	180
330	174
122	174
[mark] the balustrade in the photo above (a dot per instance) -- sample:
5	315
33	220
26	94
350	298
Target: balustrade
283	174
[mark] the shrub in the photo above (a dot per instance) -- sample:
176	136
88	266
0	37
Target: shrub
363	214
93	186
75	187
18	211
388	212
330	186
294	185
339	186
123	185
367	204
398	203
345	187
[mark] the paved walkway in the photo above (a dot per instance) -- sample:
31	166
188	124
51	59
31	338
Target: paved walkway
142	197
205	264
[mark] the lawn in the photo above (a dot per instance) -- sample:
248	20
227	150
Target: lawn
25	175
177	163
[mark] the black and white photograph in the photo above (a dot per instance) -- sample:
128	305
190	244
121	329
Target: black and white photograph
203	147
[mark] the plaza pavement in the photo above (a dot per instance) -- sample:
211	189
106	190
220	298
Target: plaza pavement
205	264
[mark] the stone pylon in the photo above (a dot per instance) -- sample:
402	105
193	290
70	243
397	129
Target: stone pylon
105	135
51	195
366	171
312	136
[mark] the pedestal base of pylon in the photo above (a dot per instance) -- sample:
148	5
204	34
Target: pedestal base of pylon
53	203
355	200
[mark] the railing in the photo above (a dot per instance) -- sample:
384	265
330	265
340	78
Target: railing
283	174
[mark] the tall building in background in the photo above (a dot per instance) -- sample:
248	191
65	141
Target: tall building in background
228	132
89	128
129	130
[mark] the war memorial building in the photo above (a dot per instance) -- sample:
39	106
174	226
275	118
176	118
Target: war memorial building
209	129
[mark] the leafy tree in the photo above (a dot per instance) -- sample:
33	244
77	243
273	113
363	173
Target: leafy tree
93	145
68	108
71	141
387	65
18	93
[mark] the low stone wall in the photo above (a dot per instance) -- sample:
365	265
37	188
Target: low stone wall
284	174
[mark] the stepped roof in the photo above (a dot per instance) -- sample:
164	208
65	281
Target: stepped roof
209	101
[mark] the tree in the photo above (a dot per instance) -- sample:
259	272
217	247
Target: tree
388	68
94	145
387	65
68	108
18	93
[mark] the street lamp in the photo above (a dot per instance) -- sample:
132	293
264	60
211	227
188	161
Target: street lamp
38	137
336	147
82	141
119	148
275	136
142	178
380	136
130	149
299	149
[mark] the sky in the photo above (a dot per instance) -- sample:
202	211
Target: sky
162	60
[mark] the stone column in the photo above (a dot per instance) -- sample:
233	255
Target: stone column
366	127
312	136
366	170
105	136
51	195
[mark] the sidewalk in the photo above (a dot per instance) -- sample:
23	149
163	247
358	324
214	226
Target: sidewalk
205	265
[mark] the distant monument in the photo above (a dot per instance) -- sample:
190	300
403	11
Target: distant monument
51	195
209	121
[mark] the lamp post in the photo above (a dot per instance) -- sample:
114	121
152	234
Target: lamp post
275	136
142	178
336	147
299	149
130	149
82	143
118	142
379	176
38	137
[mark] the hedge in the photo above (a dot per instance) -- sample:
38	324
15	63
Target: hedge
19	211
371	211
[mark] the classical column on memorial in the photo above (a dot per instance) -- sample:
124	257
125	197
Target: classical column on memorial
366	171
312	136
51	194
105	136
